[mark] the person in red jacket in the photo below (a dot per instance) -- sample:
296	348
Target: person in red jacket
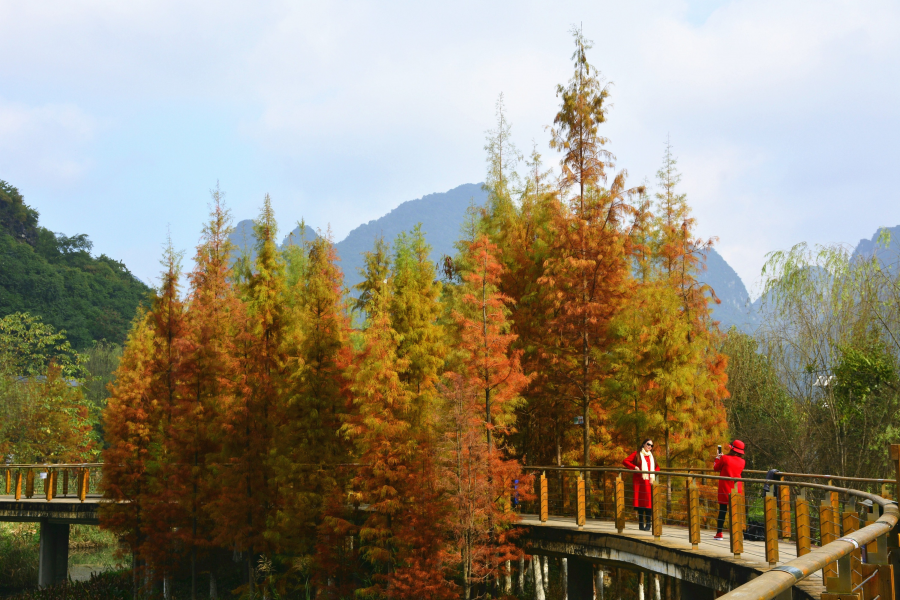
642	460
730	465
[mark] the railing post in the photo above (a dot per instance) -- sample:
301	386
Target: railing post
826	528
29	483
882	584
658	500
784	493
693	506
840	586
851	523
18	485
605	480
8	481
771	514
86	478
544	497
737	529
49	484
579	517
620	503
801	508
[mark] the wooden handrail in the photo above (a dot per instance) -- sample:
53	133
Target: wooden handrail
50	465
688	473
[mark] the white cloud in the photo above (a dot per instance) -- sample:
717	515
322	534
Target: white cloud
780	112
46	140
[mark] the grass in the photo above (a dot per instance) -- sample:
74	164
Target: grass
90	536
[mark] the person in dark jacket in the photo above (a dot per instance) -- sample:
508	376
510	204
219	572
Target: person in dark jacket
642	460
730	465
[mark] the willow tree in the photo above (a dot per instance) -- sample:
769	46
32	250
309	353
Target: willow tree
828	328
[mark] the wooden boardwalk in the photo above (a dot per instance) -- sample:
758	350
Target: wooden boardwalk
70	499
676	538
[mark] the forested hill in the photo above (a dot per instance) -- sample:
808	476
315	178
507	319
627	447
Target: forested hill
55	277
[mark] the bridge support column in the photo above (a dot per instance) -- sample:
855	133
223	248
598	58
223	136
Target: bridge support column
580	584
54	553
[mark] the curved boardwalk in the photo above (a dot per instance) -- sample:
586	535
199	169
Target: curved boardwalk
674	538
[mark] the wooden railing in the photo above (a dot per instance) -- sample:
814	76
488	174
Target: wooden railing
76	480
829	525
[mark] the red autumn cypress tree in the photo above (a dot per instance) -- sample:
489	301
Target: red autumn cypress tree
401	538
164	511
127	427
691	401
247	497
484	335
139	418
482	398
587	275
215	320
669	378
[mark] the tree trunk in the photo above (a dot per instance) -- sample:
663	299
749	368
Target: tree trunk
564	578
521	589
213	590
538	580
641	585
600	585
467	584
508	587
546	578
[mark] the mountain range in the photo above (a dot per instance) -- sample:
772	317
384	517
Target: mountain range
441	216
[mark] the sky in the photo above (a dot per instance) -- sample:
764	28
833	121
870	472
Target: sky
116	118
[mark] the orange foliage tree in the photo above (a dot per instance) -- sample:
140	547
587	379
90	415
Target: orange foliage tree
402	535
310	455
246	500
209	380
482	396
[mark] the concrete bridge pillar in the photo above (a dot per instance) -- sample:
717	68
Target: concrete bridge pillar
54	553
580	584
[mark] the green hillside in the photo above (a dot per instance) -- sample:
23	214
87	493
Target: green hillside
55	277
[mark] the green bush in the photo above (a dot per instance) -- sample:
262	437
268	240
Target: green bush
19	545
104	586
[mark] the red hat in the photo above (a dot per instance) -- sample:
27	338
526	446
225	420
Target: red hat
737	446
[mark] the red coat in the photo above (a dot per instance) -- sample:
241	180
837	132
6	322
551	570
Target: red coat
729	466
643	496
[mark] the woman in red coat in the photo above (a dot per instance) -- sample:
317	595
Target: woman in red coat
642	460
730	465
